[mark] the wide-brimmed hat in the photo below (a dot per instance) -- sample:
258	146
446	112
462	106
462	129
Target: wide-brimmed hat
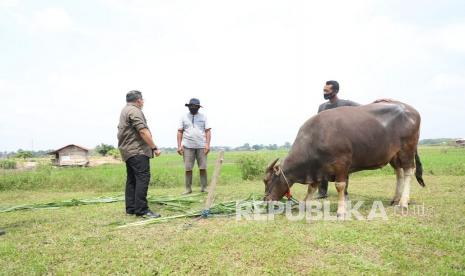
193	101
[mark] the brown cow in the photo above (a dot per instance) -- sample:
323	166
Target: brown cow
337	142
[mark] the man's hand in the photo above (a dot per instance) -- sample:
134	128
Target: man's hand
181	150
208	137
157	152
384	100
179	138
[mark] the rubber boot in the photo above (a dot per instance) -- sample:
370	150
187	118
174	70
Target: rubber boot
203	181
188	183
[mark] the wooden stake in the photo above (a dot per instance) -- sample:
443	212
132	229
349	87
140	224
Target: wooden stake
216	175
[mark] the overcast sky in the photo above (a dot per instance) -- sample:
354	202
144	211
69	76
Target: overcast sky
258	67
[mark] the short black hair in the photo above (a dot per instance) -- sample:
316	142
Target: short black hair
334	85
133	95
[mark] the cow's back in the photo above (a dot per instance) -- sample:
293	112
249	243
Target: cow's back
370	135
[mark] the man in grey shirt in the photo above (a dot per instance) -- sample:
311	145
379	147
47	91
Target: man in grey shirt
330	91
194	135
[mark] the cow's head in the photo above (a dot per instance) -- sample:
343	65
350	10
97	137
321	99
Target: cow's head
275	185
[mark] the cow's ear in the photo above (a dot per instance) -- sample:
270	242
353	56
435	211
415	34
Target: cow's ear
271	166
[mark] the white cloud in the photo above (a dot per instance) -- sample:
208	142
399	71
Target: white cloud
449	82
257	66
452	37
9	3
51	20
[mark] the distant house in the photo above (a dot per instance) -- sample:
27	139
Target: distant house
70	155
460	142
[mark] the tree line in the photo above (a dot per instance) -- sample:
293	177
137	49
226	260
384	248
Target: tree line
110	150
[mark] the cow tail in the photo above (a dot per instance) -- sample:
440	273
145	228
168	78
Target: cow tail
419	170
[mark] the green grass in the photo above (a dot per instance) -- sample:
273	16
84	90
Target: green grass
437	160
167	171
86	240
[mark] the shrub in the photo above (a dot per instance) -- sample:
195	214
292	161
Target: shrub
163	178
252	166
8	164
104	149
23	154
115	153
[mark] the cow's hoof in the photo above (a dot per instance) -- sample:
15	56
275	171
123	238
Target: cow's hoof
395	201
403	203
341	216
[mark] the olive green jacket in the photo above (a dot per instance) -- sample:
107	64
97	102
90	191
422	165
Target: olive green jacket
130	143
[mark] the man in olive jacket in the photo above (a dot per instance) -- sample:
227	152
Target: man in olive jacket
136	145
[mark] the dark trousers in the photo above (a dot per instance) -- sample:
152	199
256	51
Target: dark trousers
323	188
137	184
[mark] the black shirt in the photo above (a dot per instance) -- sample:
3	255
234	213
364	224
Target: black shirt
340	102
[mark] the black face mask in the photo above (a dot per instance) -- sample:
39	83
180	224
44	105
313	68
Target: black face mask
329	96
193	110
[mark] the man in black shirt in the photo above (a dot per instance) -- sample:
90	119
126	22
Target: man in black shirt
330	91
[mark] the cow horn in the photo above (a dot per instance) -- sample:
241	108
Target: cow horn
271	166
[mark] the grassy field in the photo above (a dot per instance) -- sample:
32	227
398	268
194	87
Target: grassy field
86	240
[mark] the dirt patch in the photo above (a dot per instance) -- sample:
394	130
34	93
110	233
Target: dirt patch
98	161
